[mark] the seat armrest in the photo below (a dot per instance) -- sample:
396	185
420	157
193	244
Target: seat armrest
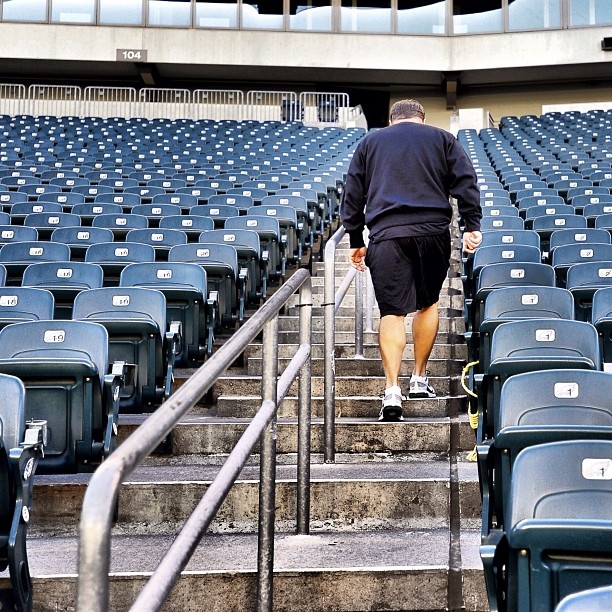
173	347
494	553
113	383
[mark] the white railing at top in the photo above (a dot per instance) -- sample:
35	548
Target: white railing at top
323	109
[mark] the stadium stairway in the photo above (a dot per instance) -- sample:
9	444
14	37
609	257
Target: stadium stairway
394	522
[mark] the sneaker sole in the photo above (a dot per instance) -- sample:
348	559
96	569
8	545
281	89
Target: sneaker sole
423	395
392	413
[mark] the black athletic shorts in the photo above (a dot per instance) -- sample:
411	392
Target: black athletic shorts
408	273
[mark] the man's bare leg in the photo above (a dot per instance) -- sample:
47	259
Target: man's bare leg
392	341
424	331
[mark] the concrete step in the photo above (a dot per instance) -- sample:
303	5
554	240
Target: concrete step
406	570
351	407
449	306
364	366
206	435
348	337
345	386
370	351
291	323
156	499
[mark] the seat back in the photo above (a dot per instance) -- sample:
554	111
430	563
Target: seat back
185	288
120	224
601	317
591	600
159	238
221	264
12	427
62	365
18	304
504	222
114	256
79	239
542	344
521	302
135	319
587	235
17	233
65	280
583	279
559	522
567	255
16	256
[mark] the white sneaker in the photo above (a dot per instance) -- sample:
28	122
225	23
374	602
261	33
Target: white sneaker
420	388
391	409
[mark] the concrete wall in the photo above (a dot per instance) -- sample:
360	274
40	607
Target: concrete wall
407	54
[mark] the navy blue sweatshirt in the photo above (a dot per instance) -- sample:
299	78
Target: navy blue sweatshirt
399	182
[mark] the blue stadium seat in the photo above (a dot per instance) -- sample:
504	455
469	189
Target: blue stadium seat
558	536
17	256
120	224
273	243
64	279
222	272
21	448
504	222
18	304
534	408
16	233
288	222
563	257
248	247
583	280
46	223
135	319
508	303
218	213
589	600
192	225
530	345
188	302
162	240
63	366
112	257
87	211
601	317
21	210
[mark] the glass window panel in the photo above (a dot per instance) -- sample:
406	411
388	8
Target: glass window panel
534	14
217	14
263	15
310	15
471	17
24	10
590	12
169	13
121	12
73	11
365	16
415	17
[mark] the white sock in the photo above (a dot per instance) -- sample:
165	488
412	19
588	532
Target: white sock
394	389
415	377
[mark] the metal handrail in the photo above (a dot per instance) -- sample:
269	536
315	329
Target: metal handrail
331	303
102	493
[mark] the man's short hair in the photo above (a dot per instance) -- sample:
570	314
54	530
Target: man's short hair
406	109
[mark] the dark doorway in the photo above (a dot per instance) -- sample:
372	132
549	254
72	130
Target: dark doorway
375	105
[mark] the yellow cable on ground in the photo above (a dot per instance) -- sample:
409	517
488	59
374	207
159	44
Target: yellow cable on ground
472	414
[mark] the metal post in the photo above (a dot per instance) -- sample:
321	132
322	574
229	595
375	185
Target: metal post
304	413
267	473
369	305
359	314
329	383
